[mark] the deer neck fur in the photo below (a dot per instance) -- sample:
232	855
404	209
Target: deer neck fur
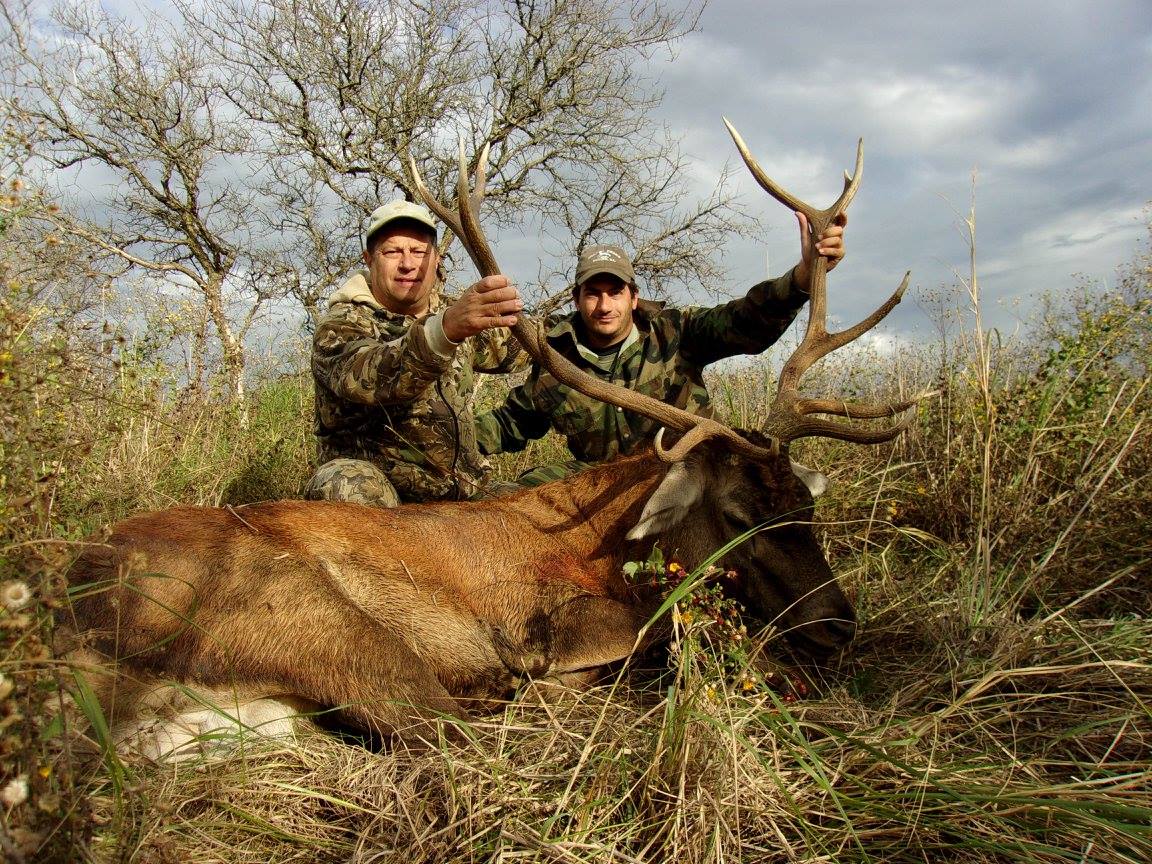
590	514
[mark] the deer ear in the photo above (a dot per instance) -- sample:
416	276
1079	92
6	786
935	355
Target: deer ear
681	489
816	482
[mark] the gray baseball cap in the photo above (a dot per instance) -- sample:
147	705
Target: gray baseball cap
612	260
394	210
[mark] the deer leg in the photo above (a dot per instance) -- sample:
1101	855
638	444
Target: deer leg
339	658
579	635
569	648
590	632
390	692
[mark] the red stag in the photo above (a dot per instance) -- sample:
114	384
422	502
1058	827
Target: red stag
271	609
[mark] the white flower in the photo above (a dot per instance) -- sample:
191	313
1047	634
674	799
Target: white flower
15	595
16	792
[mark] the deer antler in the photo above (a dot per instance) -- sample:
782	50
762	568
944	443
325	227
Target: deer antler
464	224
788	418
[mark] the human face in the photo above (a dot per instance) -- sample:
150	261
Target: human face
402	264
605	304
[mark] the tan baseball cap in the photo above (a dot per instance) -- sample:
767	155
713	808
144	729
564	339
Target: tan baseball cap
394	210
612	260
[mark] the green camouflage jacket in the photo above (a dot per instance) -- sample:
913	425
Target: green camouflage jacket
665	359
387	395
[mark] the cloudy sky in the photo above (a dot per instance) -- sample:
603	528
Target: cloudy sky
1047	104
1050	104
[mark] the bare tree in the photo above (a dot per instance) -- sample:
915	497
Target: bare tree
348	89
54	285
244	142
139	108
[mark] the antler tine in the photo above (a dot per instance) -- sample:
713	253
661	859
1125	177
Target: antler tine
479	175
472	235
813	427
465	225
446	215
788	418
858	410
842	432
678	451
817	219
849	334
767	183
851	183
818	342
463	222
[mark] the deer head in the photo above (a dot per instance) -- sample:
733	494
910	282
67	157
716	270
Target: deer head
812	608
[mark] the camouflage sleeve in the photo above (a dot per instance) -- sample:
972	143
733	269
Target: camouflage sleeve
498	352
509	428
359	367
745	326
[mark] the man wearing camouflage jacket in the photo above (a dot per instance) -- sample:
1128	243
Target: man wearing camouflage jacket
393	367
654	350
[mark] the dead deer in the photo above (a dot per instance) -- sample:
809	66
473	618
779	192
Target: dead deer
398	619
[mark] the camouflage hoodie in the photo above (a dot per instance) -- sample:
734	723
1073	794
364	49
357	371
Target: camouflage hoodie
391	390
663	357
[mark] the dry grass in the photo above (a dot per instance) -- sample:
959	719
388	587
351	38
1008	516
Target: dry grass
995	706
1035	751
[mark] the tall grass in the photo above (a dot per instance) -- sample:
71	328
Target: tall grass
995	706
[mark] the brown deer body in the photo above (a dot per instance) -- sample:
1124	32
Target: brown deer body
393	617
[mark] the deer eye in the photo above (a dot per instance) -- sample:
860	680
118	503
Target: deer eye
738	521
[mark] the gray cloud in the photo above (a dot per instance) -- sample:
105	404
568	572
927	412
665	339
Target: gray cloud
1046	103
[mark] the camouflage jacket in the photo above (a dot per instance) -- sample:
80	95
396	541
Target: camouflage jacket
385	394
664	358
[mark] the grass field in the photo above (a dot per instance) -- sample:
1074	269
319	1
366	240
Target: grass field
994	707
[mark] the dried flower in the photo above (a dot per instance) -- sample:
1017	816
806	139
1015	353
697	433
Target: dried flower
16	792
15	595
16	622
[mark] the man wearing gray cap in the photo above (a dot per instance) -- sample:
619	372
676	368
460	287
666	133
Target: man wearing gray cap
393	366
654	350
